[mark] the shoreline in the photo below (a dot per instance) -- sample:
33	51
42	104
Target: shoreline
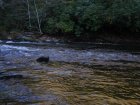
98	38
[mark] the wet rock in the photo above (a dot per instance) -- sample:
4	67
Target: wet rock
46	38
28	33
4	35
25	38
6	77
43	59
1	59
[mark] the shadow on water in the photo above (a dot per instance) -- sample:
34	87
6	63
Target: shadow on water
72	77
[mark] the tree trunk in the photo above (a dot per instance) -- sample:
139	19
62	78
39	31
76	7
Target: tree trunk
37	16
29	15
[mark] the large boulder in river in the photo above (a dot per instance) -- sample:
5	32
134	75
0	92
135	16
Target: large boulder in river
28	36
43	59
4	36
25	38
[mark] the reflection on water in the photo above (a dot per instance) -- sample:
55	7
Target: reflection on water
113	79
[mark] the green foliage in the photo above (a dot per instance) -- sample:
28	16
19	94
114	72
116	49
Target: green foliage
51	25
93	17
72	16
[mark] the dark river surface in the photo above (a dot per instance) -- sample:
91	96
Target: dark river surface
77	74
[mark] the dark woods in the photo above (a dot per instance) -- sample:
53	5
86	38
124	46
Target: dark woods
70	17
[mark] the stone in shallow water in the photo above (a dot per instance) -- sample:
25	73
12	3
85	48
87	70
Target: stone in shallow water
43	59
6	77
1	58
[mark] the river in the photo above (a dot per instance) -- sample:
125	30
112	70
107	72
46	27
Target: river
77	74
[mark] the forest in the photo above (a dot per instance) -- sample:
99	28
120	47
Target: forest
69	52
70	17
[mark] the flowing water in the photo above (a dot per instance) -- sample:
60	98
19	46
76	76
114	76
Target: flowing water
77	74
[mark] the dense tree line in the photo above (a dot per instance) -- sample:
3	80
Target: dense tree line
70	17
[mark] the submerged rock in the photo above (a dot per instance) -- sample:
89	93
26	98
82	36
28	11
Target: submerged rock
43	59
11	77
1	59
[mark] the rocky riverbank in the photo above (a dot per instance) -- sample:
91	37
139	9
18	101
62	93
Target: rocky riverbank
99	38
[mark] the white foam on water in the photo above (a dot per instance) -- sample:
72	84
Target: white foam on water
22	42
9	42
10	47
